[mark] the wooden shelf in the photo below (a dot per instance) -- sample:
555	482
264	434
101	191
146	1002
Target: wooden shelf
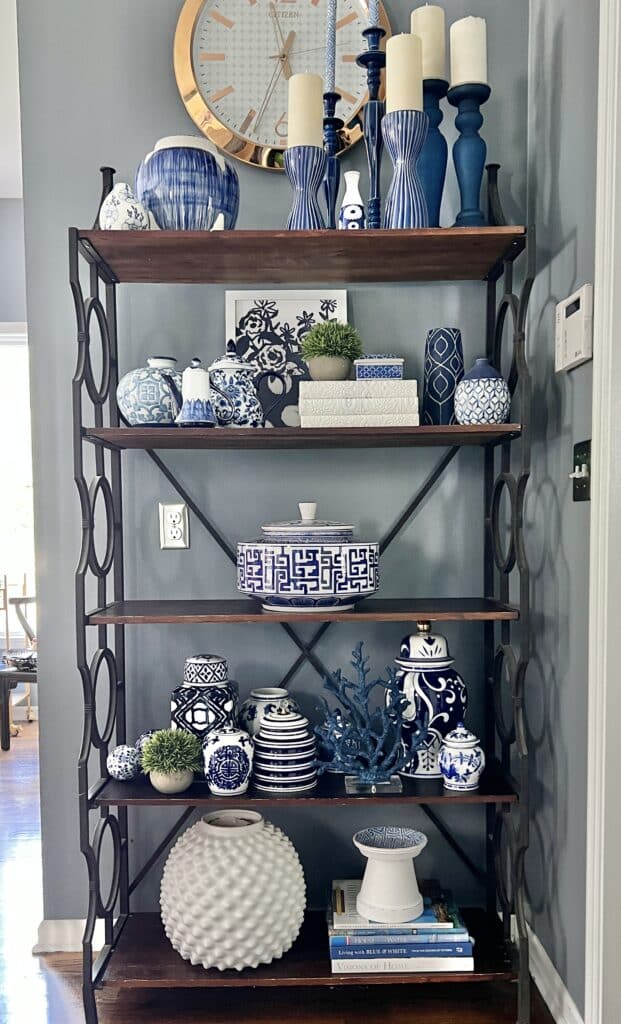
302	257
144	959
495	788
245	438
442	609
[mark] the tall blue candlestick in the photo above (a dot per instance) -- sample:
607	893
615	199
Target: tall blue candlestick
373	59
330	82
434	154
331	127
469	151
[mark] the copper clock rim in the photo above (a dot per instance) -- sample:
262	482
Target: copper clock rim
228	141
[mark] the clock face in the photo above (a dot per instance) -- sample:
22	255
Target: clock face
233	59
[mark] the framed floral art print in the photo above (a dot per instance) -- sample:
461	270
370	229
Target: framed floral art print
268	328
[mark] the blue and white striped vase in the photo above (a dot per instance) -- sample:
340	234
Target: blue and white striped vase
305	167
404	134
444	368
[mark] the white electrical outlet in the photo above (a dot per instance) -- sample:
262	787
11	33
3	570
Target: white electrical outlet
174	526
574	330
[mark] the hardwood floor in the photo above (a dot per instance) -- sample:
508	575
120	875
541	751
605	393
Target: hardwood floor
46	990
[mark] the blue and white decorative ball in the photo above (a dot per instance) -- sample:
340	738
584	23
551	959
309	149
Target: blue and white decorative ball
123	763
142	739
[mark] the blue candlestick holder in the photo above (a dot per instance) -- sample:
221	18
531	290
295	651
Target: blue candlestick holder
373	59
404	134
434	154
305	167
469	151
331	128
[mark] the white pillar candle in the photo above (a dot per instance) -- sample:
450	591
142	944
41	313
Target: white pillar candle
305	116
468	51
429	23
404	73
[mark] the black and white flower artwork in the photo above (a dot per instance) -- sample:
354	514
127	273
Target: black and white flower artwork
268	328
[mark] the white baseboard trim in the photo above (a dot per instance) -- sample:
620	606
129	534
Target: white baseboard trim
551	985
65	936
20	713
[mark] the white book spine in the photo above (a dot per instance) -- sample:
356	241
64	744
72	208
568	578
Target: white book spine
358	389
357	406
405	965
392	420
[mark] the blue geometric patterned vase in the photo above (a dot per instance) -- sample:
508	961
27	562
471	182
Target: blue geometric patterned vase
404	133
482	396
444	368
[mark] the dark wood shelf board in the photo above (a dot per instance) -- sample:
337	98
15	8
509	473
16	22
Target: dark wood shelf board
330	791
447	609
303	257
145	959
242	438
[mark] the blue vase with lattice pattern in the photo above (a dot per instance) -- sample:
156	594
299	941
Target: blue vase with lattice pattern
444	368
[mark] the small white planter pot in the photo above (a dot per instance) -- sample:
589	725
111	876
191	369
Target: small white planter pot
329	367
175	782
389	891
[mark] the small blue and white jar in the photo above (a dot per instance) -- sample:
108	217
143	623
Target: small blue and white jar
482	396
227	757
352	214
121	211
262	701
151	395
462	760
123	763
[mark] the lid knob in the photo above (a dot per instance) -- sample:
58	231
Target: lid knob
423	627
308	511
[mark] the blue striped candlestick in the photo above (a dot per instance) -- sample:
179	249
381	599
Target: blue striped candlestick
305	167
331	127
373	59
469	151
434	154
404	134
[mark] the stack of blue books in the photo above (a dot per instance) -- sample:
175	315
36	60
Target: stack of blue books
437	941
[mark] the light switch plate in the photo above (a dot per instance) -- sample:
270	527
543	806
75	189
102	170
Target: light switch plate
574	330
582	483
174	526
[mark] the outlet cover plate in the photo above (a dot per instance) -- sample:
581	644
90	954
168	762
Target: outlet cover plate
582	457
174	526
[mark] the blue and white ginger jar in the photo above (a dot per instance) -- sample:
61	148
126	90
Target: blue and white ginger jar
436	694
188	185
261	702
482	396
227	756
121	211
207	699
151	395
123	763
462	760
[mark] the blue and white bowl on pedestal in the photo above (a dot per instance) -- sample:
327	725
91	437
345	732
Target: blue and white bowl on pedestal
482	396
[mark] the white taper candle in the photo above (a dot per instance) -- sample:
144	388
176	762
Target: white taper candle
468	51
331	46
373	13
429	23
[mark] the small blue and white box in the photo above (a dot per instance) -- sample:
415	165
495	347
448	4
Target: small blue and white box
379	367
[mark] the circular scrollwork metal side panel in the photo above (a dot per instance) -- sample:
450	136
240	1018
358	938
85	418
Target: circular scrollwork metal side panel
508	303
505	560
110	825
100	486
505	852
505	674
104	656
98	393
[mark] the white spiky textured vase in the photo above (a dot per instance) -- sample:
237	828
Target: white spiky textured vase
233	892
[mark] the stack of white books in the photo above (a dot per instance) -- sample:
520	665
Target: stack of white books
359	403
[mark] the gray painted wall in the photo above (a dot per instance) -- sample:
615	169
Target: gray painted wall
107	101
12	265
562	140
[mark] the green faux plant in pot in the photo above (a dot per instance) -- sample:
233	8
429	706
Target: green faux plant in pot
170	758
330	348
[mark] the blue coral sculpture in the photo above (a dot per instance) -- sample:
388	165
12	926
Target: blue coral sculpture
364	735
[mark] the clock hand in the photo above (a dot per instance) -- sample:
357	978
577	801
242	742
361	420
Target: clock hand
280	39
268	94
286	51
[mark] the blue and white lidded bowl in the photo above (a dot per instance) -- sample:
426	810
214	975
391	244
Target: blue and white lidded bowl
123	763
227	757
188	185
462	760
308	564
285	754
261	701
150	396
482	396
379	367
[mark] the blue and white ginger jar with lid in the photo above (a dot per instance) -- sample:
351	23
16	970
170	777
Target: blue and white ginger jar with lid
482	396
462	760
227	756
188	185
436	696
151	395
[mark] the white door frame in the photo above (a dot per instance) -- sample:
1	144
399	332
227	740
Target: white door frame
604	719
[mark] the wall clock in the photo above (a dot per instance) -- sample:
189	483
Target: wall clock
233	59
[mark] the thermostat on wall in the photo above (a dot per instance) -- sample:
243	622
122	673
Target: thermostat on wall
574	329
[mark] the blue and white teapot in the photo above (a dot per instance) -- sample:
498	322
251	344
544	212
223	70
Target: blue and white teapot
239	382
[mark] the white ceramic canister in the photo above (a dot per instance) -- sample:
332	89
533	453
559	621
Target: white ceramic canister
227	756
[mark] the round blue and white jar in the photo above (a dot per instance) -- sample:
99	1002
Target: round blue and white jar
462	760
482	396
151	395
123	763
121	211
227	756
188	185
262	701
